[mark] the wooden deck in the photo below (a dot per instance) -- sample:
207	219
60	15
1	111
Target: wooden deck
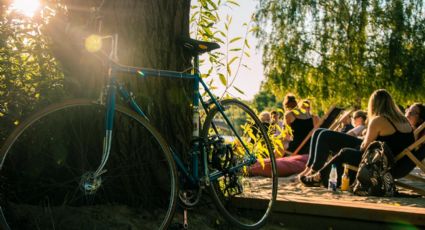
300	207
331	214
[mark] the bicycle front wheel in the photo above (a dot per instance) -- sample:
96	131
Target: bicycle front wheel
48	164
244	199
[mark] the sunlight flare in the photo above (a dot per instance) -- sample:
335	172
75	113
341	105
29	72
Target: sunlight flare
26	7
93	43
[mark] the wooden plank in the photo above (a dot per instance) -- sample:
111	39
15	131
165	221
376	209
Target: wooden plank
415	178
342	209
411	187
419	129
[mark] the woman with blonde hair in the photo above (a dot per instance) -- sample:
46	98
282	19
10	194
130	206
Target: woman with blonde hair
386	124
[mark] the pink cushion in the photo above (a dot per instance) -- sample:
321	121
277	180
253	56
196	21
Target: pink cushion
286	166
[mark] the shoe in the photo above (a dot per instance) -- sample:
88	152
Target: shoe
311	181
305	172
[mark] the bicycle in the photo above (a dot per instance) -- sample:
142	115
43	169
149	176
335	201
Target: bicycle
68	176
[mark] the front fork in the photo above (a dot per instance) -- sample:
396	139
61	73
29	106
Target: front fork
91	181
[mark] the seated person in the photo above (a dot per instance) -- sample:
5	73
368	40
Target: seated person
305	107
265	118
359	123
387	124
301	124
278	133
277	123
325	142
416	116
345	125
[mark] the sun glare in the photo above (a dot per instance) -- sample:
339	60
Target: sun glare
26	7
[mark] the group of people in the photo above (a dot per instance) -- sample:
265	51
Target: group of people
383	121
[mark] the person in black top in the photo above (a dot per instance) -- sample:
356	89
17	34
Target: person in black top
386	124
301	124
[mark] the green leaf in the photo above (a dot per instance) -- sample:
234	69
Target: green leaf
229	71
222	79
211	3
247	44
207	31
194	15
233	2
239	90
233	60
235	39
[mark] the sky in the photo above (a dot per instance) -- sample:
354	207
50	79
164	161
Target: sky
248	80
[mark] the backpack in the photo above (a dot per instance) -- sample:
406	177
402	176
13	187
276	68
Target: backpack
373	177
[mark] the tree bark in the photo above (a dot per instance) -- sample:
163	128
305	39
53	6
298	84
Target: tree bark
147	30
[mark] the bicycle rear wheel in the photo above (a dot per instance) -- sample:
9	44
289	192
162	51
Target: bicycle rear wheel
48	158
246	201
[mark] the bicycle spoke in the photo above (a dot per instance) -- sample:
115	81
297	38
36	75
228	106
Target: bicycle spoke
44	180
233	142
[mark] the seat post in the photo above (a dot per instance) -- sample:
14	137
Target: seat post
196	63
196	97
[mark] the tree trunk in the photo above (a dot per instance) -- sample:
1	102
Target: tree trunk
147	37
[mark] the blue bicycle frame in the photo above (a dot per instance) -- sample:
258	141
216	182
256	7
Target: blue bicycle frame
113	85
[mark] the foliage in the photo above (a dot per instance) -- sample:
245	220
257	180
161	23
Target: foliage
340	51
205	25
225	63
29	75
265	100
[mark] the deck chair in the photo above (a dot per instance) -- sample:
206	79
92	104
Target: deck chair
325	122
419	130
344	115
405	162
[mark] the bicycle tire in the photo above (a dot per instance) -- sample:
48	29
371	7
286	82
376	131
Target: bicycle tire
53	170
238	114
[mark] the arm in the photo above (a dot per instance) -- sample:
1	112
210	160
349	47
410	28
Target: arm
356	131
316	121
372	132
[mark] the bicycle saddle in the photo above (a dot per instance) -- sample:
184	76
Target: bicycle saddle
196	46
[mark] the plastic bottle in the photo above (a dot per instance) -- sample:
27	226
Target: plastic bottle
333	177
345	180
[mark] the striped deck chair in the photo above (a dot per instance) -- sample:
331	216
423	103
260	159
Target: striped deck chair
338	122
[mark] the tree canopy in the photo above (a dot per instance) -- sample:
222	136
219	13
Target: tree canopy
340	51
